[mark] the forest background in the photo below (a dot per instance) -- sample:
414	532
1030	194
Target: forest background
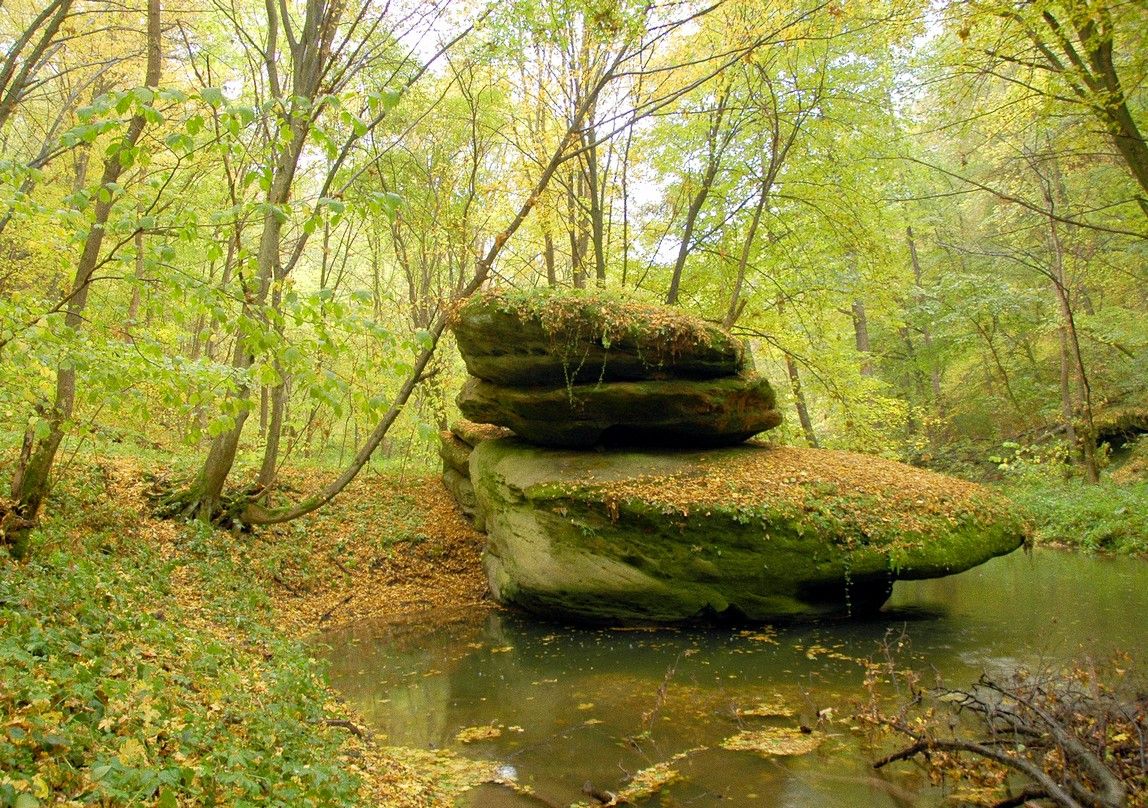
232	234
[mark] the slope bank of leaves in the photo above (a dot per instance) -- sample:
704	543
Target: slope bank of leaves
114	693
139	666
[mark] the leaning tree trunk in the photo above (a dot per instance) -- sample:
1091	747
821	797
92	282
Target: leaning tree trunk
1071	356
800	403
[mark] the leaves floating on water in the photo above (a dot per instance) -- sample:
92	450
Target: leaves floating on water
648	781
766	634
774	741
775	708
437	777
487	732
975	796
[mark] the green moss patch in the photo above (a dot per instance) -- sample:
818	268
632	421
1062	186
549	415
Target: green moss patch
560	312
748	531
858	499
550	336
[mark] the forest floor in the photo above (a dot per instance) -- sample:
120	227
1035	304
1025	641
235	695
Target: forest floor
173	665
393	547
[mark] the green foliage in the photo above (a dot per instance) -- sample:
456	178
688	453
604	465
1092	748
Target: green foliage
112	693
1105	517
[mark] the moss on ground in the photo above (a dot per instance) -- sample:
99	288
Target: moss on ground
1110	517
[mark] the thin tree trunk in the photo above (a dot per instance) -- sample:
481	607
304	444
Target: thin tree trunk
800	403
861	336
987	336
548	256
735	305
713	163
32	480
1066	386
594	192
134	303
1071	356
926	331
18	66
208	487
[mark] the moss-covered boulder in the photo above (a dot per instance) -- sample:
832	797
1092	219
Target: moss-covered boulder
675	412
557	337
743	532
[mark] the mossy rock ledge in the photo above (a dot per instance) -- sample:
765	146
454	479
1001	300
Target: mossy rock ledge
748	532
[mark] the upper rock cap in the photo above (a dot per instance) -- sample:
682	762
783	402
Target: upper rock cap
557	336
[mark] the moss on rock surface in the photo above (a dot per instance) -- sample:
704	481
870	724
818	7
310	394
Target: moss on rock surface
554	337
744	532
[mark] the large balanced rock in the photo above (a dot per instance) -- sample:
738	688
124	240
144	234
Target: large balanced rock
713	412
746	532
551	337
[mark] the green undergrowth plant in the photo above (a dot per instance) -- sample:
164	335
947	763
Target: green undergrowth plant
115	692
1111	516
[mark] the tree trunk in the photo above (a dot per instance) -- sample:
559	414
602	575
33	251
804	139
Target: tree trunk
861	336
1066	386
926	331
1071	356
274	433
548	257
134	303
799	402
32	479
577	231
698	200
19	65
594	192
735	305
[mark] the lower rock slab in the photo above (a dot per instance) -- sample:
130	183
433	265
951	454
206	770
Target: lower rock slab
748	532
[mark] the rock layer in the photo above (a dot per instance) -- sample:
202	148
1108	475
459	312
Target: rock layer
559	338
747	532
714	412
455	446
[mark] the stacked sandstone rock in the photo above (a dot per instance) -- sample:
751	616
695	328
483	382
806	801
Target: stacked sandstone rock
628	493
576	371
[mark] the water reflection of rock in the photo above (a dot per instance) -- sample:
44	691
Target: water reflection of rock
433	679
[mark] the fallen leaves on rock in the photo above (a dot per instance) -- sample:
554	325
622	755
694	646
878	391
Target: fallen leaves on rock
877	497
567	315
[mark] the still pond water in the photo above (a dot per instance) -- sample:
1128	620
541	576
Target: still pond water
576	705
